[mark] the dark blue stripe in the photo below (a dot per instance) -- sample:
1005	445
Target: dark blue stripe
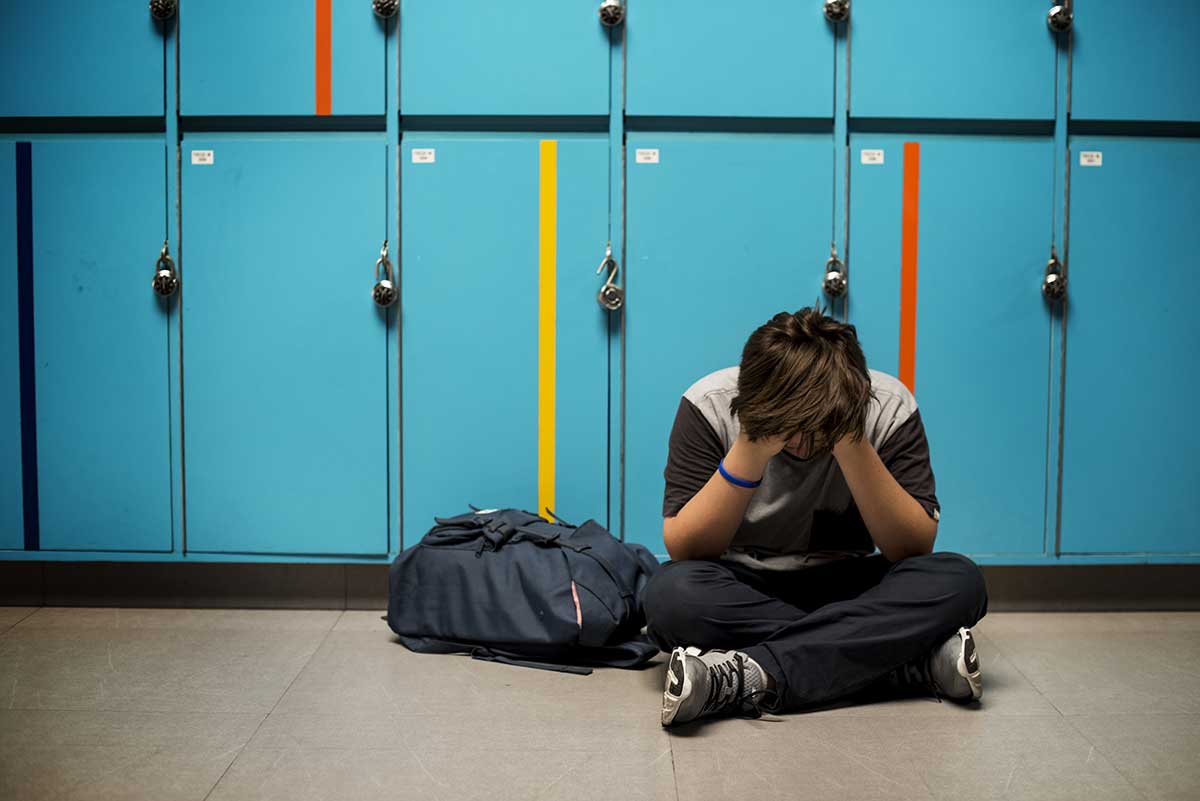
29	466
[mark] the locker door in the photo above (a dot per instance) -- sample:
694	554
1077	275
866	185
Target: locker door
761	58
1135	61
989	59
80	59
239	58
547	57
505	350
285	354
1129	477
12	519
103	396
979	348
724	231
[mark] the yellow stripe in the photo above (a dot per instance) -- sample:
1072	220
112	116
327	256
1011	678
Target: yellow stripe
547	319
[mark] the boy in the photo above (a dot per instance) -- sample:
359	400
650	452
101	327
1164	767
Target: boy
783	477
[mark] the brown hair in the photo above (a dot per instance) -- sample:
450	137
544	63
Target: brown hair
805	373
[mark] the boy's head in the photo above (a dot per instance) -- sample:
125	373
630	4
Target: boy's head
804	377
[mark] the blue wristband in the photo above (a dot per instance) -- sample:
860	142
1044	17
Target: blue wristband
734	480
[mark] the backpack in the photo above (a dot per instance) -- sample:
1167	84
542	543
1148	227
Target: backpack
507	586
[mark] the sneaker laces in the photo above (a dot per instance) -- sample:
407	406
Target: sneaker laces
917	673
726	689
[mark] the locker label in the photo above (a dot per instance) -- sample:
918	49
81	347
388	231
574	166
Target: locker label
1091	158
424	155
202	157
646	155
872	157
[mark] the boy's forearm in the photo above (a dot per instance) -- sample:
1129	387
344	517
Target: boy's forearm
898	525
705	525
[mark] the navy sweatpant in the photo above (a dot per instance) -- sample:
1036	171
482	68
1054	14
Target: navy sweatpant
824	632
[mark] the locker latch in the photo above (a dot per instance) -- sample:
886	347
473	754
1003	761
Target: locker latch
384	292
835	284
166	281
610	296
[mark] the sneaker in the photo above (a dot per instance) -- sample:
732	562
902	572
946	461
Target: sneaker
951	670
710	683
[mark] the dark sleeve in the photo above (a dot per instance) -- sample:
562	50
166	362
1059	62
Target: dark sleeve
906	456
694	452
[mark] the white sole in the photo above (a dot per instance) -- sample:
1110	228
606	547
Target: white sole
973	678
673	700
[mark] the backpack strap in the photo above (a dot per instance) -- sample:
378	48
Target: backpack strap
634	653
488	655
558	519
430	645
631	654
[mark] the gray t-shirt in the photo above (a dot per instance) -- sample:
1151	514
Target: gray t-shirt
803	514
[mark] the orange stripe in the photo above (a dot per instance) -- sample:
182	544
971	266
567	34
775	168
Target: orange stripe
908	264
324	56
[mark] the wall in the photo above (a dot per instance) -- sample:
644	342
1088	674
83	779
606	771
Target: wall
270	411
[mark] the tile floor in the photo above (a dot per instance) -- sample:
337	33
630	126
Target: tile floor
293	705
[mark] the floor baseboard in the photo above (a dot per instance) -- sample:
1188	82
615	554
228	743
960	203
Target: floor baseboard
1058	588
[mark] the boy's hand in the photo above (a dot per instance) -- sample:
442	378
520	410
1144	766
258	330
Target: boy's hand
747	459
764	446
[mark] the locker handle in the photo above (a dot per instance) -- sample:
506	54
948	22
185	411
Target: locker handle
384	292
837	10
385	9
835	283
610	296
1054	283
612	13
163	10
1061	16
166	281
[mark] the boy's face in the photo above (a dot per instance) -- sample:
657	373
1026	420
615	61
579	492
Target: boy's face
800	445
807	446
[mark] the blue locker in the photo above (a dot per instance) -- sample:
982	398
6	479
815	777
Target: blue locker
724	231
762	58
981	352
239	58
12	519
476	397
1129	476
991	59
103	396
87	59
1136	62
285	353
476	57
